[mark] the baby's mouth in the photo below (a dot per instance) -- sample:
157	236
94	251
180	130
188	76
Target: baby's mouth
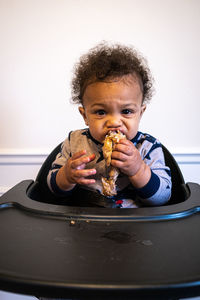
114	131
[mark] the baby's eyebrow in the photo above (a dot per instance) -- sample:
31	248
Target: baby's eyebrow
129	104
98	105
122	106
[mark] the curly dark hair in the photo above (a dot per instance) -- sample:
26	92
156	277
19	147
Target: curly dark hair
107	62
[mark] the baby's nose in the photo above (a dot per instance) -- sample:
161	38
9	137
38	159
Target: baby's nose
114	122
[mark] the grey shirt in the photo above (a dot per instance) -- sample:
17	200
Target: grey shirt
156	192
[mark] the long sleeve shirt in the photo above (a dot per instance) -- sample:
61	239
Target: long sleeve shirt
156	192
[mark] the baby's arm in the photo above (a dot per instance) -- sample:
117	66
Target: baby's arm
149	176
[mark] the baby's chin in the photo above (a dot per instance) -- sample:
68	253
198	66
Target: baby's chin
131	136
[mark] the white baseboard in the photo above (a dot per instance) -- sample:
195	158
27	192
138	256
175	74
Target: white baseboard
15	167
187	158
21	159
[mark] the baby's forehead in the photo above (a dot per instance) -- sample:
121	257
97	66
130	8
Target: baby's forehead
117	90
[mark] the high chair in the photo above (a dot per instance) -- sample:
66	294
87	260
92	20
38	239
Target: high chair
63	248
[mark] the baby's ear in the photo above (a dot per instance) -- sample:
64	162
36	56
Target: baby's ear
143	108
83	114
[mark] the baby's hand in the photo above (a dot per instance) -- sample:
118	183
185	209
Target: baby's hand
74	172
126	158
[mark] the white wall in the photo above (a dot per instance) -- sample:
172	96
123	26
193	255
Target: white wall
42	39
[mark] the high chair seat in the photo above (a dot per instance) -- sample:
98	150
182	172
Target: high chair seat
58	248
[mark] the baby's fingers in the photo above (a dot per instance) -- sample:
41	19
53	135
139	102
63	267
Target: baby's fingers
82	174
125	147
80	161
85	172
84	181
78	154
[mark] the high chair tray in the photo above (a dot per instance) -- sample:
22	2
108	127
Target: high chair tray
87	253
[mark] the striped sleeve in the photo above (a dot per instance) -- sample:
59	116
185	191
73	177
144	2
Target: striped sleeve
158	190
60	160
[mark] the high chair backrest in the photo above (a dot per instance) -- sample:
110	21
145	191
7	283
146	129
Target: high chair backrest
179	192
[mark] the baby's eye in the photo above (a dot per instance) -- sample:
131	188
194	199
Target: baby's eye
100	112
127	111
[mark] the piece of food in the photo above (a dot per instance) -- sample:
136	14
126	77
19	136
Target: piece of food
109	184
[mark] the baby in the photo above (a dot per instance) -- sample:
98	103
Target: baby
112	84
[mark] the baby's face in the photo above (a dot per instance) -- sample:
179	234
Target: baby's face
116	105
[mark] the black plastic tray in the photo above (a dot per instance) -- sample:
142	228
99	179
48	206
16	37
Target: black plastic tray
61	251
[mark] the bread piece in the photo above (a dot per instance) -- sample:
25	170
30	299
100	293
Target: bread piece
109	184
